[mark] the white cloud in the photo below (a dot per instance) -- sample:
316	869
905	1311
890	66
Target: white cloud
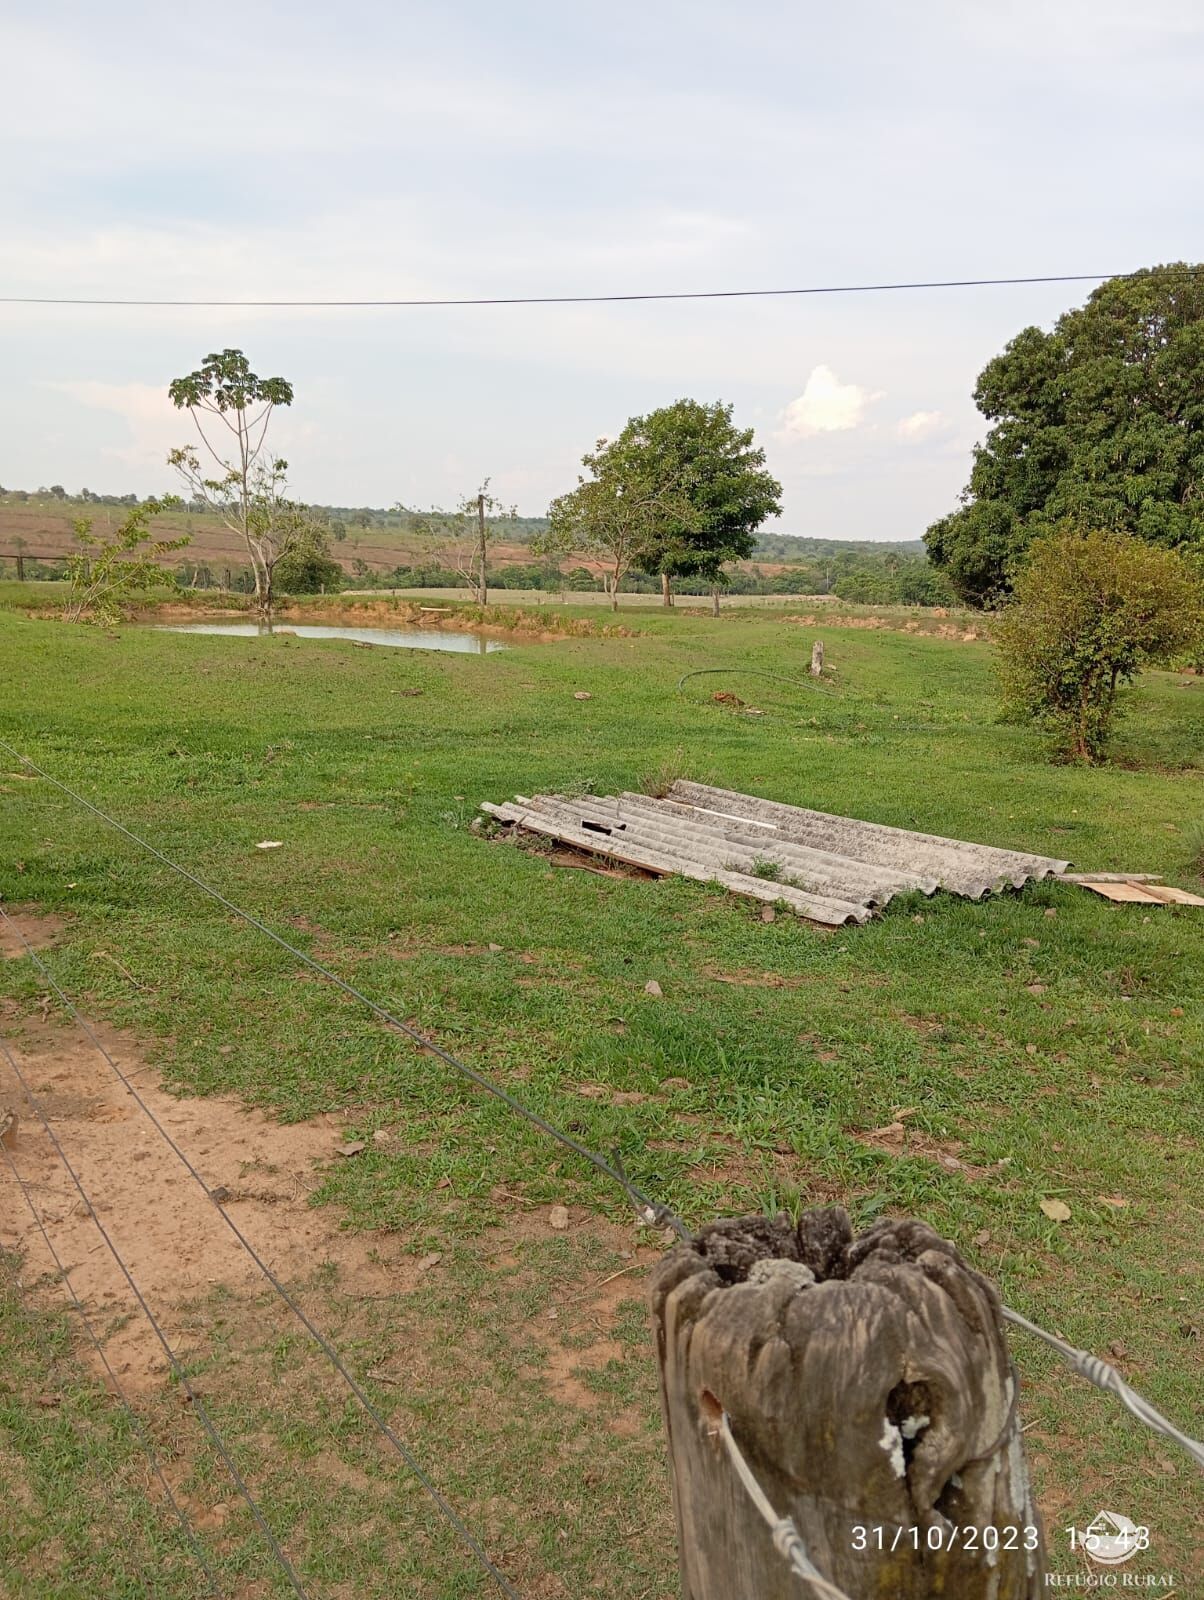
154	425
920	425
153	422
826	406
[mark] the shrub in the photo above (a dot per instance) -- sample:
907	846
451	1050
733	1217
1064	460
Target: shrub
1089	612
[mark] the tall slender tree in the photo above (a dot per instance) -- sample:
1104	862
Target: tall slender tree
231	408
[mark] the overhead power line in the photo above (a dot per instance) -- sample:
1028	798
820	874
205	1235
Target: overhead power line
582	299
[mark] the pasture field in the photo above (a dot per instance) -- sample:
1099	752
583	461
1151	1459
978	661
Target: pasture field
954	1061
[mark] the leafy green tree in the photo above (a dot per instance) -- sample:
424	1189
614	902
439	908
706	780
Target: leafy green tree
1100	421
231	408
1089	611
716	490
106	572
308	568
615	514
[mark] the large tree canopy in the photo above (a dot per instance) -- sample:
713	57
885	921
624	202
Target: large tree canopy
679	492
1099	422
717	478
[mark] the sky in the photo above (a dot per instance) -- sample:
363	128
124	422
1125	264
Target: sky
259	151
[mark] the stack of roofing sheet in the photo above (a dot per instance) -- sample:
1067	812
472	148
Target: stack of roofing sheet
830	869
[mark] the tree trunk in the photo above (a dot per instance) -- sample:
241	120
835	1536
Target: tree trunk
715	600
484	596
20	567
666	590
868	1386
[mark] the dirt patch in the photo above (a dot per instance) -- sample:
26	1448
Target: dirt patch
964	632
747	978
20	927
172	1236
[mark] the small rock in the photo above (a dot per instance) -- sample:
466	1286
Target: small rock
1030	1049
582	694
1051	911
983	1236
558	1218
653	988
381	1136
768	914
225	1049
429	1261
1035	988
495	949
221	1194
352	1147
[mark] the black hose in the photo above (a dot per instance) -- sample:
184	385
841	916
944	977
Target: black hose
756	672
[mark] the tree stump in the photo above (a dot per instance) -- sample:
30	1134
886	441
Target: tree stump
869	1388
817	659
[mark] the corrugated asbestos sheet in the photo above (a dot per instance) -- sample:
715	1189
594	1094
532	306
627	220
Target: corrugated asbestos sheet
828	869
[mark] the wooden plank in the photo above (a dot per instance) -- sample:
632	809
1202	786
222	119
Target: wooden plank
1172	896
1132	893
1107	877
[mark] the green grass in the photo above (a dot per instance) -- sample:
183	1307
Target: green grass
1052	1039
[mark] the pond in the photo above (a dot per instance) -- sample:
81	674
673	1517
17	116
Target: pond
473	644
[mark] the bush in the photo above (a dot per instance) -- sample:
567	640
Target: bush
308	570
1089	612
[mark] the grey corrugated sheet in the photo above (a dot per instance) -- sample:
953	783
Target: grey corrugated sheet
829	869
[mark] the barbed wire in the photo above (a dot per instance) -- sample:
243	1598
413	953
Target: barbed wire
786	1537
651	1212
1105	1376
787	1540
176	1365
323	1343
138	1425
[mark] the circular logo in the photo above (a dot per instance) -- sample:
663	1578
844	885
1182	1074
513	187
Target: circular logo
1111	1538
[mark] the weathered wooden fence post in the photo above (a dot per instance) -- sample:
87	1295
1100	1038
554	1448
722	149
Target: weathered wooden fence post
867	1384
817	659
